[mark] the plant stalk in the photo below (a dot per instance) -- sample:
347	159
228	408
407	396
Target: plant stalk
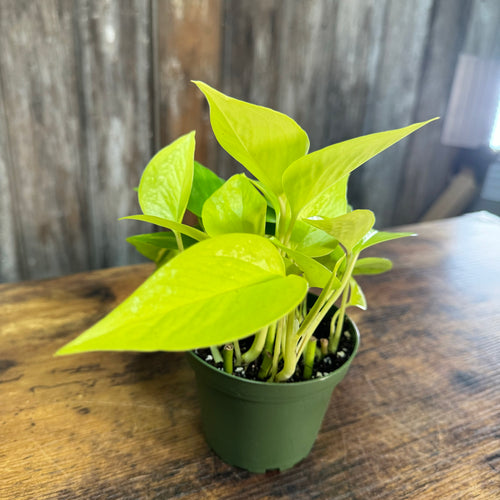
290	360
334	339
309	354
313	319
277	347
265	367
256	349
178	239
237	353
227	354
214	350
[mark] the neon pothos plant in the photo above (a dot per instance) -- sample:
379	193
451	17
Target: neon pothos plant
260	245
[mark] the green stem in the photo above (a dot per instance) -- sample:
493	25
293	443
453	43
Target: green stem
271	335
265	367
237	353
216	354
315	315
256	349
309	354
227	354
178	239
324	347
290	360
277	347
334	341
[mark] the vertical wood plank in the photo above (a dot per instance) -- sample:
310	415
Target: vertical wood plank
428	164
250	69
115	88
9	251
483	33
327	63
392	101
40	113
188	48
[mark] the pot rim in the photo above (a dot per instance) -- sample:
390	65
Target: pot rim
289	385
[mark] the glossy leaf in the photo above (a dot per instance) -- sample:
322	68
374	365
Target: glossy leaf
166	181
372	265
236	207
331	203
205	183
348	229
153	245
192	232
215	292
309	176
316	274
375	237
271	198
310	240
264	141
356	297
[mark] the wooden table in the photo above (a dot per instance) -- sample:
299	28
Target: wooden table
418	415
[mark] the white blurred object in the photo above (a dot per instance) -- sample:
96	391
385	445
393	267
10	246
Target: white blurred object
473	102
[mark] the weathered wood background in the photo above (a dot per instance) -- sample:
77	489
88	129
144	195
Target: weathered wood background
90	89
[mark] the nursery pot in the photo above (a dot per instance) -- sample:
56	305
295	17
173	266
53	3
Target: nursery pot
262	426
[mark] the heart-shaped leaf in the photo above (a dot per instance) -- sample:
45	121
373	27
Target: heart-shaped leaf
153	245
192	232
310	175
348	229
316	274
356	297
264	141
216	291
236	207
375	237
372	265
166	181
205	183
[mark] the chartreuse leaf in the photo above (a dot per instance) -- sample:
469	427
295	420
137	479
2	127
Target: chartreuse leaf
205	182
310	240
153	245
331	203
372	265
264	141
316	274
330	260
216	291
273	206
236	207
375	237
166	181
348	229
309	176
356	297
192	232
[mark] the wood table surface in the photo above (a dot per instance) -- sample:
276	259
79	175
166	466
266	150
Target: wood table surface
418	415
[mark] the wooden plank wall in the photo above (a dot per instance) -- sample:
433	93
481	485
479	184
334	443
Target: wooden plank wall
90	89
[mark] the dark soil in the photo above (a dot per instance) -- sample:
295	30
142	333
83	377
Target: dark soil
321	368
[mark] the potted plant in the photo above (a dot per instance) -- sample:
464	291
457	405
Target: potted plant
234	290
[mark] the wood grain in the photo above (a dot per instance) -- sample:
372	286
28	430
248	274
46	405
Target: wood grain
115	81
9	247
188	48
40	117
392	100
417	417
89	90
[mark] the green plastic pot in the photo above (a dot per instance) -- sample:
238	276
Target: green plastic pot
261	426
